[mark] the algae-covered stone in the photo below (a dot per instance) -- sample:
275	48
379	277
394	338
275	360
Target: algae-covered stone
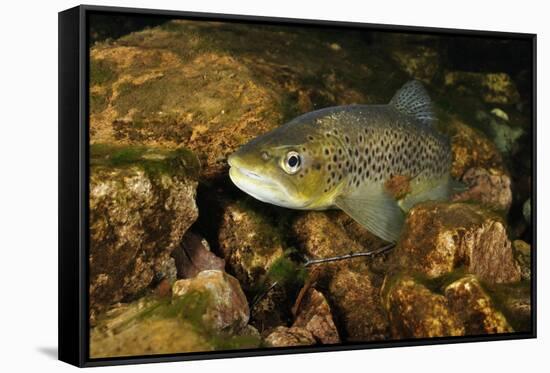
494	88
420	62
142	201
471	149
206	316
439	237
514	301
287	337
355	297
475	308
314	314
250	242
522	251
226	307
149	337
417	312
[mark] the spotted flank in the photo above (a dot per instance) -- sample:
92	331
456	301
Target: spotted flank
346	156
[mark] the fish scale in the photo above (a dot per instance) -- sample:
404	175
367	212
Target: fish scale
344	157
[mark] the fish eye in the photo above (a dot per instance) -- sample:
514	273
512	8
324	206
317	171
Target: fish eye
292	162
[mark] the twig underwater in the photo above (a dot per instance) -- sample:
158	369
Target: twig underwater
383	249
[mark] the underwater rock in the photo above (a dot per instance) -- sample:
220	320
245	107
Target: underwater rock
314	314
522	251
352	288
194	255
153	325
475	308
272	310
331	233
416	312
283	336
420	62
162	336
440	237
168	271
514	301
493	88
490	187
471	149
226	306
250	242
355	300
142	201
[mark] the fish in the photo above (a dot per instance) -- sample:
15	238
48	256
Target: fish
347	157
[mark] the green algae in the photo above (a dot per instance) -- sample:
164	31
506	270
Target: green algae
153	160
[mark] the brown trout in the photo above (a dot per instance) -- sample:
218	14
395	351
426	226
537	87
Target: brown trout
345	156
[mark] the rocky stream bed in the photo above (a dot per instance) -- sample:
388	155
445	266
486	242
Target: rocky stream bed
182	261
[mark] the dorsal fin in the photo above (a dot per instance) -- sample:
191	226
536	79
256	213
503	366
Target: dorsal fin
412	99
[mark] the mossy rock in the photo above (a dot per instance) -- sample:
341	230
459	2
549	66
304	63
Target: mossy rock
142	201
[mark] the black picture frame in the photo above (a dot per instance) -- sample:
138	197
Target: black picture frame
74	189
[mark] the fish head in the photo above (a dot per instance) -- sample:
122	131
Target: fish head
283	167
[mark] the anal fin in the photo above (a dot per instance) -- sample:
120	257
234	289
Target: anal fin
375	209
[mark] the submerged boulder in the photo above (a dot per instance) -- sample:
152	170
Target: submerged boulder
417	312
283	336
225	305
493	88
314	314
142	201
471	149
440	237
249	241
470	302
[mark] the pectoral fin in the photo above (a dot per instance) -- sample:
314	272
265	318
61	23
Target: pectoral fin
372	207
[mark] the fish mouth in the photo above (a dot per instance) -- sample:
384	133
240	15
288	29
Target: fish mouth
251	182
261	187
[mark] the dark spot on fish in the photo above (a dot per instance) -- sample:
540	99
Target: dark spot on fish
335	158
310	138
346	138
327	152
356	153
317	166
